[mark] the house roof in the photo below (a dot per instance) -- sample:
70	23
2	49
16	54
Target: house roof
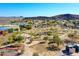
74	44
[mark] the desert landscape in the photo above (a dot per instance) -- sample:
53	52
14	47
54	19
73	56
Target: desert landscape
40	36
39	29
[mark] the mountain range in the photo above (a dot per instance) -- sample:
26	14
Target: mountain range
57	17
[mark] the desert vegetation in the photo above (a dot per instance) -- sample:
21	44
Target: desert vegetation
51	33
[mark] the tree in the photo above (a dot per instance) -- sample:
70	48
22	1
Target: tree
5	32
56	39
10	40
72	36
45	38
10	30
30	22
28	27
14	35
49	33
0	42
12	22
19	38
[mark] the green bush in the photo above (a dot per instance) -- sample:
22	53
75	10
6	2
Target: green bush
10	40
16	29
28	27
45	38
19	38
49	33
56	39
10	30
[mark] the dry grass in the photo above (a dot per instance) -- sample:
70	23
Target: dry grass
42	50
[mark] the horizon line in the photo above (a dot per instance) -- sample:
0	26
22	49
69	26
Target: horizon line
40	16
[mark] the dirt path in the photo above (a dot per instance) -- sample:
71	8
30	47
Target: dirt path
29	51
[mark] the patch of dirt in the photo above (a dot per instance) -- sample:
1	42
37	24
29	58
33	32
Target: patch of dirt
42	50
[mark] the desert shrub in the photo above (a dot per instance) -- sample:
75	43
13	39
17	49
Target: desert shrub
49	33
13	22
70	35
4	33
35	54
16	29
32	34
10	30
28	27
19	38
10	40
56	39
45	38
0	42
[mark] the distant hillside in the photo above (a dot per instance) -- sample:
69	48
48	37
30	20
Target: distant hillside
57	17
6	20
66	17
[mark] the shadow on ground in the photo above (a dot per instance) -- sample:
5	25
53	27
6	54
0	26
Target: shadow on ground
66	52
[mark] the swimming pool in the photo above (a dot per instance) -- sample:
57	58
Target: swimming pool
2	28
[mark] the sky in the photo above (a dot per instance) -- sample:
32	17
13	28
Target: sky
38	9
